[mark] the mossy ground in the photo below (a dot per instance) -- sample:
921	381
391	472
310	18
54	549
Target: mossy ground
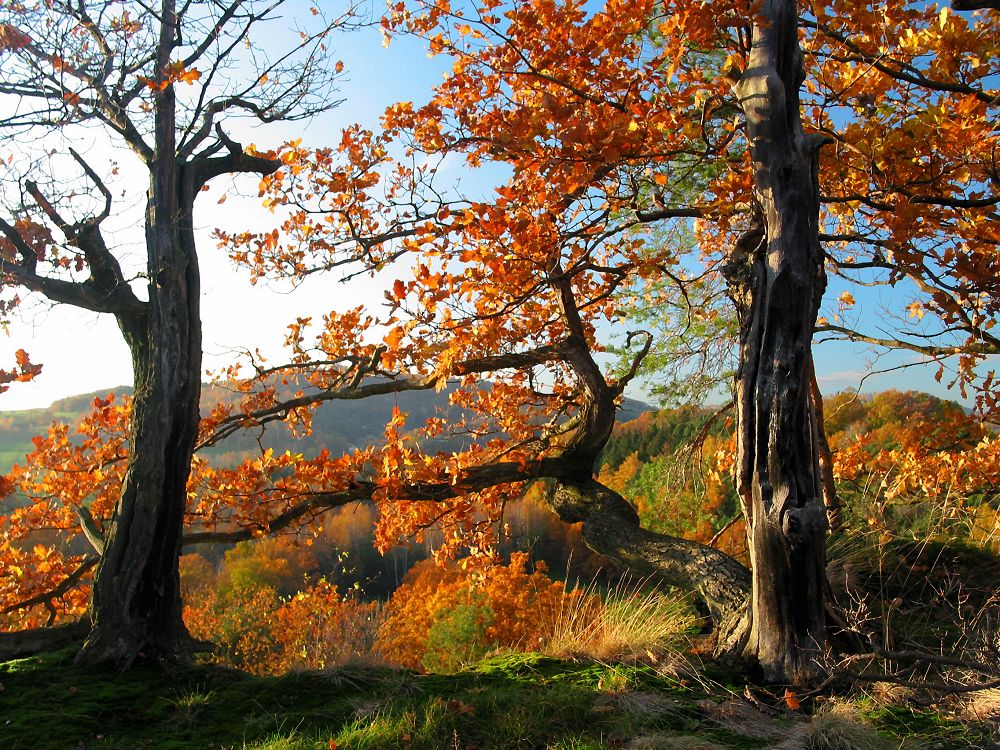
512	701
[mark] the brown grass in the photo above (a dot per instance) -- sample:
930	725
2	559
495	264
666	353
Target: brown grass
837	727
626	625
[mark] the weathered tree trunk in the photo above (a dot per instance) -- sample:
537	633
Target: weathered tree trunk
834	508
136	604
611	525
776	280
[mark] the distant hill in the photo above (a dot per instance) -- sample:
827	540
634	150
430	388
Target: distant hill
337	426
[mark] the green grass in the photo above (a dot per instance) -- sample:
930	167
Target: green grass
507	701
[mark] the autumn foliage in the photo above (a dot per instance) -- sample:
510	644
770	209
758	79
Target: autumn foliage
267	611
507	606
611	127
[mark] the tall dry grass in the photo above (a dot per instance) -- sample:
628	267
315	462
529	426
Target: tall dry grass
631	622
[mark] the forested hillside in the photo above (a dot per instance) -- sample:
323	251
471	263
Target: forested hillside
911	469
338	427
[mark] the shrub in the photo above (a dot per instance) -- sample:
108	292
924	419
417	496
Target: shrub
508	606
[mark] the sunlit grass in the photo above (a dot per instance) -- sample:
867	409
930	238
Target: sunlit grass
631	622
504	701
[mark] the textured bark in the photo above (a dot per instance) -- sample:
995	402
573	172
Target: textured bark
776	279
834	508
136	604
611	528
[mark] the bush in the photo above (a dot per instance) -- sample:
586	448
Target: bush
506	607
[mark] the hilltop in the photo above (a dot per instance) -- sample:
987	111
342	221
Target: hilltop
337	426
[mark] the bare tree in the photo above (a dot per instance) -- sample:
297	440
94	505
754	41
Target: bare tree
161	81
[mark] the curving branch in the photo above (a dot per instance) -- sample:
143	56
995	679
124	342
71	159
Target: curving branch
69	583
637	361
356	390
902	71
928	350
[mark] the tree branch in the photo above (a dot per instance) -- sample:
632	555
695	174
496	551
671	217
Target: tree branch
237	161
926	349
67	584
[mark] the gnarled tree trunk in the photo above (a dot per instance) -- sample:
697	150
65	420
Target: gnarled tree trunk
611	528
776	279
611	525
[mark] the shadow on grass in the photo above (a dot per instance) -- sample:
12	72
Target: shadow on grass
510	701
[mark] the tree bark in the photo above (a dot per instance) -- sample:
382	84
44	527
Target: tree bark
611	528
776	280
834	508
136	605
611	525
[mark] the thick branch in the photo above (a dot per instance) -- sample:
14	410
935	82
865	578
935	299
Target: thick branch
68	292
975	4
237	161
315	504
37	640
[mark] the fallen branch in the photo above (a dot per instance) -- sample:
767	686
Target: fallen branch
23	643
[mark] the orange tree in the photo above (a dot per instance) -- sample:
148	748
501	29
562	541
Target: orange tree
610	121
607	122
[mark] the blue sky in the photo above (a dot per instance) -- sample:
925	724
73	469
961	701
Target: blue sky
83	351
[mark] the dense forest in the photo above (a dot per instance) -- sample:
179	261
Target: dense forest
914	473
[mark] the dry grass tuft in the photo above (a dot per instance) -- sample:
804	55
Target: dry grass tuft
641	704
627	625
740	717
667	742
890	694
838	727
983	705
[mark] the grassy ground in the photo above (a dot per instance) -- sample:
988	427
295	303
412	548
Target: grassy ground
512	701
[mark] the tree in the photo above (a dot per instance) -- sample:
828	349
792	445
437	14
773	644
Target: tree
605	122
604	135
777	281
910	188
121	68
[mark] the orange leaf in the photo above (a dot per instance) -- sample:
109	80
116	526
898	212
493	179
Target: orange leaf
189	76
394	337
791	700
